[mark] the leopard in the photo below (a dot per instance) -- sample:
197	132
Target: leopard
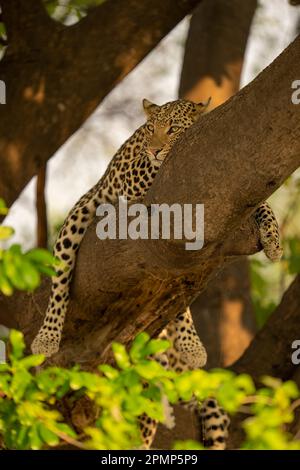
130	174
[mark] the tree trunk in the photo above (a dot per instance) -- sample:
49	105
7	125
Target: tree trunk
41	208
215	48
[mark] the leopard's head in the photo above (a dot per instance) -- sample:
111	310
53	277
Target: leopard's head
167	122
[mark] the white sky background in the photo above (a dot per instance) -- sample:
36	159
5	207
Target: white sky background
82	160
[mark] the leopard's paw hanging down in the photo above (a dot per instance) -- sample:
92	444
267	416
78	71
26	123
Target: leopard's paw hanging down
269	232
45	344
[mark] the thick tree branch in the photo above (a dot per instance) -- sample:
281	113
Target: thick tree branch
124	286
41	209
65	72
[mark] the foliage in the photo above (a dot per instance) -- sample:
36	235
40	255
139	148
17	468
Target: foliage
30	400
263	290
260	286
292	255
54	228
3	37
20	270
33	400
66	10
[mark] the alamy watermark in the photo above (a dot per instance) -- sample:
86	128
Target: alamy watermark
296	354
2	92
296	94
136	221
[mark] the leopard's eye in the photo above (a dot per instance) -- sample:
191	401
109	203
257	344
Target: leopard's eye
150	127
173	129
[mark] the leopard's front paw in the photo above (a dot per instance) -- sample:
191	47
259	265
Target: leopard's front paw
269	232
273	250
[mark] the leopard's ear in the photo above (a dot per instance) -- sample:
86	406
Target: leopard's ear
150	107
202	107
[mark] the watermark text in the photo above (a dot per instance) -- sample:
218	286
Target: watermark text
162	221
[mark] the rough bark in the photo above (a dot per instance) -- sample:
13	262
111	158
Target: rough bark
224	316
124	286
56	75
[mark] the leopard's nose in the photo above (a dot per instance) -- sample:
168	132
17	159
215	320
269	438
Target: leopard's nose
154	151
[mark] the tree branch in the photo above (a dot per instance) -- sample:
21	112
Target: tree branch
41	208
65	72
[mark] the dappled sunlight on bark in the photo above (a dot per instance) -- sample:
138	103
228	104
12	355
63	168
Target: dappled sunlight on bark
235	336
36	95
219	91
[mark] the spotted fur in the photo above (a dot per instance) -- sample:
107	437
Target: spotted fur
269	231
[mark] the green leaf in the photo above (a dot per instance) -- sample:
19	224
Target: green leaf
291	389
48	436
31	361
138	345
17	343
187	445
36	442
109	371
3	208
5	285
41	256
150	370
121	356
20	381
23	438
30	275
293	256
12	259
155	346
46	270
6	232
66	429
